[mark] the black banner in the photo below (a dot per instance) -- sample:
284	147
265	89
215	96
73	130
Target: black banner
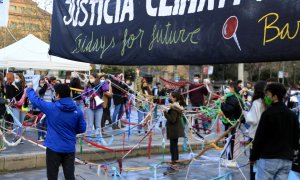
175	32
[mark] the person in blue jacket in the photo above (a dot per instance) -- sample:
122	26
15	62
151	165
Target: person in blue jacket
64	121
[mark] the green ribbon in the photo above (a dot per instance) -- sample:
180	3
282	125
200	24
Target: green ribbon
80	141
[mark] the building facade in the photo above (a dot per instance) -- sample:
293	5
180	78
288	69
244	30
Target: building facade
25	17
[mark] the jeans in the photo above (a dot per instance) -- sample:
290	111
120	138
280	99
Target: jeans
20	117
252	173
94	118
53	161
174	149
128	111
42	126
117	112
277	169
80	104
155	112
294	175
142	112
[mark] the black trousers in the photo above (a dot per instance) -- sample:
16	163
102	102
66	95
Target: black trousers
53	161
105	116
195	107
252	173
174	149
227	126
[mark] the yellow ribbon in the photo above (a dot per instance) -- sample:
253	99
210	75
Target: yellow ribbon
136	168
215	146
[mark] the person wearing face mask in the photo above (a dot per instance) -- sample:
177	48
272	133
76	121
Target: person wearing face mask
47	92
42	124
175	127
93	93
232	106
14	92
252	116
197	97
276	138
144	106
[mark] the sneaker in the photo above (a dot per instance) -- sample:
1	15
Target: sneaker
228	163
15	139
170	171
122	126
40	139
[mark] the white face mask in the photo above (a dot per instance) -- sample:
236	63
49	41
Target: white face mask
196	80
17	80
5	79
92	80
102	81
227	90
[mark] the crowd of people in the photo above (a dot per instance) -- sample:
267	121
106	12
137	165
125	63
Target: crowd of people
268	110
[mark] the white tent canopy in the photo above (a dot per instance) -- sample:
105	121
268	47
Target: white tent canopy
31	52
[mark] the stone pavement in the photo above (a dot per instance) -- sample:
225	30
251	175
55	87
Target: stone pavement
28	156
203	170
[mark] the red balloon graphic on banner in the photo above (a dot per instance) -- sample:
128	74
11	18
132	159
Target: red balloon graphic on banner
229	29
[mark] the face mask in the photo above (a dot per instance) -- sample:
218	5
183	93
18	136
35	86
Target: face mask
92	81
17	80
102	81
227	90
196	80
268	100
5	79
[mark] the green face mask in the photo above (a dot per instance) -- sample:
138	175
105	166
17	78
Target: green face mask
268	100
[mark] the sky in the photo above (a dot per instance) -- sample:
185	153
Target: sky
45	4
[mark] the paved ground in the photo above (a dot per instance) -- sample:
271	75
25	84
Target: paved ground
204	169
119	140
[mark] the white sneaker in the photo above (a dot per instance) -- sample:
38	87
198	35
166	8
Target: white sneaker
228	163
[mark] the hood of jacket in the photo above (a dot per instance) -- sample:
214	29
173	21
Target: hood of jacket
177	107
66	104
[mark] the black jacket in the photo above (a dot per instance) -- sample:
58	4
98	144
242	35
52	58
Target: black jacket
2	101
13	92
232	108
174	125
277	135
119	97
